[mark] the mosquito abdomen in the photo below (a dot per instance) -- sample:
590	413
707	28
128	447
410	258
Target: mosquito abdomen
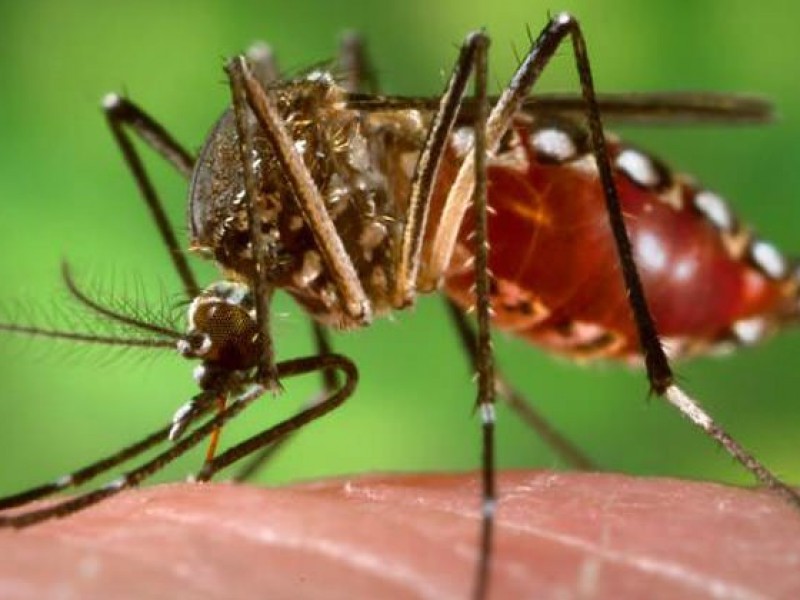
709	281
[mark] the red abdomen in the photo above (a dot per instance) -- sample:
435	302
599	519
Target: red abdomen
556	278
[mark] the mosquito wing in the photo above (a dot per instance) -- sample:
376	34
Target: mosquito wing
644	108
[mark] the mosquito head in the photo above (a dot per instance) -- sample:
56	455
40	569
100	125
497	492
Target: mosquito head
222	329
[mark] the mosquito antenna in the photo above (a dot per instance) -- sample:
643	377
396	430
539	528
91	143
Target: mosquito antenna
83	298
90	338
121	113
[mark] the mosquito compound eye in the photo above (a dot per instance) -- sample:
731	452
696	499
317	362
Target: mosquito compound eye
232	333
221	333
222	321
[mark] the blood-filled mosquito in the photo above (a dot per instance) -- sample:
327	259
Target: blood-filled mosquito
519	208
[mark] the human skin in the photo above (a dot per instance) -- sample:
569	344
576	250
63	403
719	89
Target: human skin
559	535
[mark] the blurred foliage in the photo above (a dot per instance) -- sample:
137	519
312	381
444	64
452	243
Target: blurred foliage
64	192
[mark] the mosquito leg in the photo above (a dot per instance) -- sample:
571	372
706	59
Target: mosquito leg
248	92
322	342
135	476
472	57
458	200
659	372
78	477
425	172
565	449
273	434
330	383
262	256
484	357
354	64
200	403
692	410
120	113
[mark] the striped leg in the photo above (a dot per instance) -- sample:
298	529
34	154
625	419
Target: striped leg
187	441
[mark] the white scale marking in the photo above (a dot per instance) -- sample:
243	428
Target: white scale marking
487	413
750	331
117	484
554	143
198	373
715	210
769	259
64	481
489	508
110	101
651	252
205	345
639	168
685	268
678	398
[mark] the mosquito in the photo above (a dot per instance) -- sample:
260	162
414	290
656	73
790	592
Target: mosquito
515	207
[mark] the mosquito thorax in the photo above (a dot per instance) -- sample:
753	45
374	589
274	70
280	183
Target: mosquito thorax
222	329
361	163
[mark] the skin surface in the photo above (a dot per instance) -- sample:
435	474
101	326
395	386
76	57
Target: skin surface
414	536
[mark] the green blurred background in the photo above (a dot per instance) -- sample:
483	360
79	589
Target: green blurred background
64	192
